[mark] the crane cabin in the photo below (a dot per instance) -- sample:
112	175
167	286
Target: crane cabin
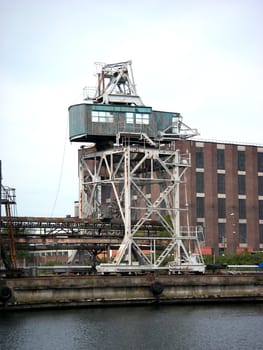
101	123
116	110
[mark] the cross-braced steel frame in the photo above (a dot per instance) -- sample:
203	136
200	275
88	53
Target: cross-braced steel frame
139	185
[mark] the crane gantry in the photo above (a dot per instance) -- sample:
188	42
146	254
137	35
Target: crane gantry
134	171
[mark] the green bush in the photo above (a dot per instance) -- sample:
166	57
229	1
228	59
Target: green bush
236	259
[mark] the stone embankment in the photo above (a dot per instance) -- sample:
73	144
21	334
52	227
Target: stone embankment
80	291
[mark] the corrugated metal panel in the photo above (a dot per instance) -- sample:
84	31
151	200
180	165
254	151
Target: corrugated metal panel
81	121
78	121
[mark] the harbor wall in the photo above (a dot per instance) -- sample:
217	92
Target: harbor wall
69	291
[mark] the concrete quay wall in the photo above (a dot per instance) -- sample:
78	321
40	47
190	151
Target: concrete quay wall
67	291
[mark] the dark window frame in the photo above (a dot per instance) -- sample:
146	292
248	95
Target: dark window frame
221	183
200	182
241	183
260	230
221	232
260	162
200	207
242	208
242	233
221	202
241	160
199	157
260	185
260	209
220	159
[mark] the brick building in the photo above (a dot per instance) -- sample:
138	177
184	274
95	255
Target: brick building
225	194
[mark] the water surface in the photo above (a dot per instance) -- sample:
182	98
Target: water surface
232	327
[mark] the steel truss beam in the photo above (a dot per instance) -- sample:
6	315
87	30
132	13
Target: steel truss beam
115	84
141	185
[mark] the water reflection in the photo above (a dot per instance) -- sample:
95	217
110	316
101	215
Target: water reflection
152	327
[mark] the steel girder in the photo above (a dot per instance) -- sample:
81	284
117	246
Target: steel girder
140	185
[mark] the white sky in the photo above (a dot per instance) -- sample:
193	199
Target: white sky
202	58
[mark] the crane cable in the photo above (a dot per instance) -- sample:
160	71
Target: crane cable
60	173
62	164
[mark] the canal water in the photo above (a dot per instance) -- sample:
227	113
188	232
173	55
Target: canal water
192	327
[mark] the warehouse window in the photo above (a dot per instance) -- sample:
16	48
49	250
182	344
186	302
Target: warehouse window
260	210
221	207
260	185
261	233
242	233
201	232
242	208
221	188
199	157
101	117
142	118
200	182
241	160
221	233
200	207
260	162
241	184
220	159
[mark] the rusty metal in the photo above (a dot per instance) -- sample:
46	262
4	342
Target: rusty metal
8	199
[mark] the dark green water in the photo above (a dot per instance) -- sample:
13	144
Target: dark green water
232	327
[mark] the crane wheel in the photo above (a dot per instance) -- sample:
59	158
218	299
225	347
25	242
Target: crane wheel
5	293
157	288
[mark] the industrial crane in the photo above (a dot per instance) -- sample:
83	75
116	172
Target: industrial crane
8	200
135	166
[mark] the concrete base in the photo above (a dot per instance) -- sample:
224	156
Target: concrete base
73	291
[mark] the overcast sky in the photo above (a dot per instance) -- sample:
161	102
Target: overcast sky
202	58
